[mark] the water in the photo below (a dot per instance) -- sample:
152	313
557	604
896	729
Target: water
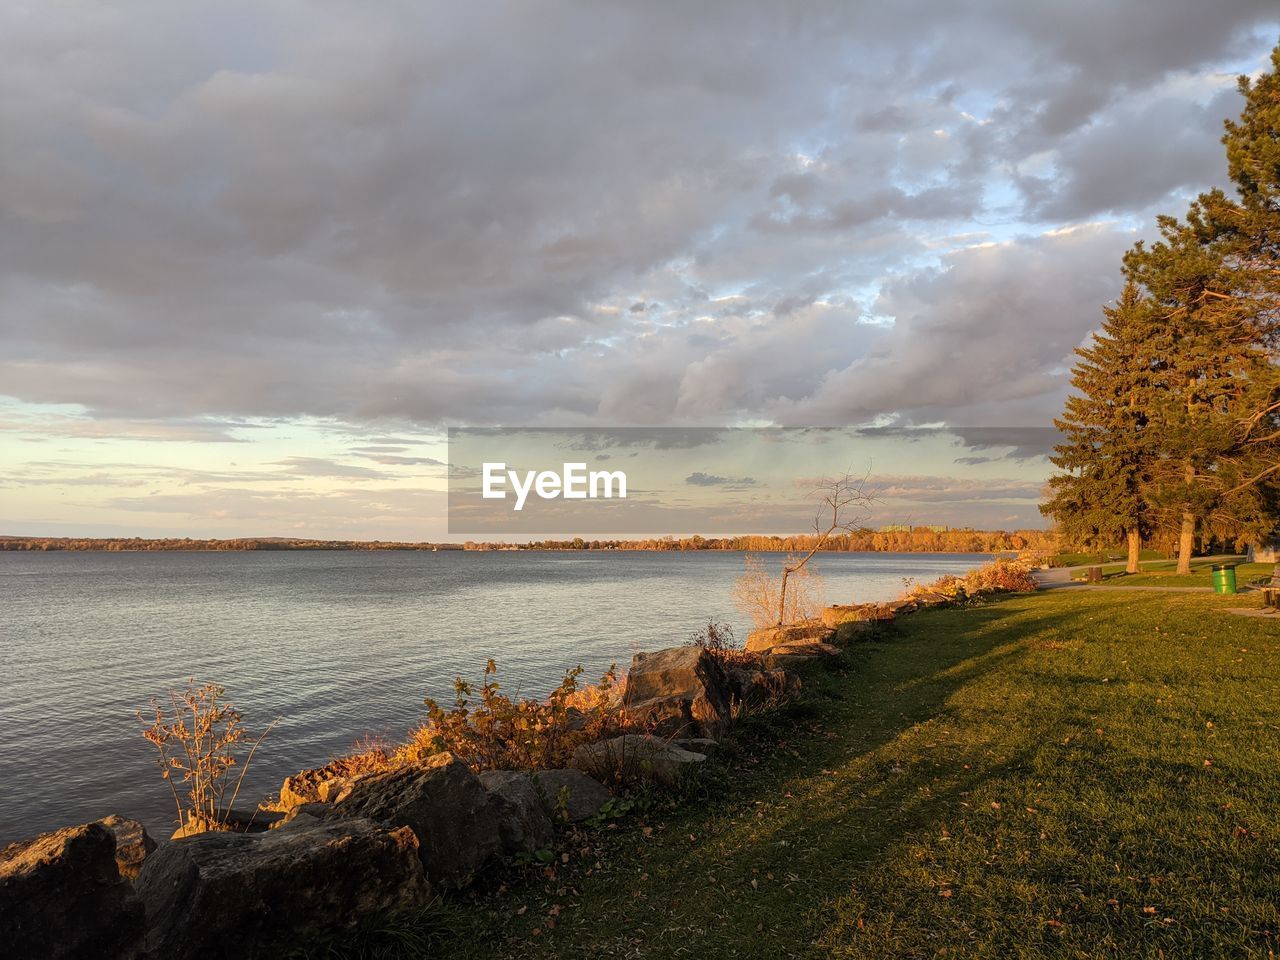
338	644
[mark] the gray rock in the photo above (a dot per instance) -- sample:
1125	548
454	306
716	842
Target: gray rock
572	795
761	688
236	820
441	801
703	745
680	690
524	818
635	757
133	843
245	895
791	654
761	641
62	898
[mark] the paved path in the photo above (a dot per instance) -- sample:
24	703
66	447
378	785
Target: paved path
1058	578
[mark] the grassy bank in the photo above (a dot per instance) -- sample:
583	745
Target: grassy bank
1053	775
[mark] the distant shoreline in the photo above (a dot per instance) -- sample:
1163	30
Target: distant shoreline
992	542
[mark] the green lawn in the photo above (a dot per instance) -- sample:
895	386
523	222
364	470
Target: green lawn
1070	774
1161	573
1080	559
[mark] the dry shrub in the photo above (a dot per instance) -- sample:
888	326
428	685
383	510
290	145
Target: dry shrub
197	739
718	640
756	592
490	731
999	576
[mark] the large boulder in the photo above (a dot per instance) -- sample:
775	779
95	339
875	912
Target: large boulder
761	688
812	631
133	843
531	802
62	898
573	796
524	816
443	802
794	654
680	690
249	895
635	757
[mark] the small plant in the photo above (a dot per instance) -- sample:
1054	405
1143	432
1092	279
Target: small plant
197	738
490	731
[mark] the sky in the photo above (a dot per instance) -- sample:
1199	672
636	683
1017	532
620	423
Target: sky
256	257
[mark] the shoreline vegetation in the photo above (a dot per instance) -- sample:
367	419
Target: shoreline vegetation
914	539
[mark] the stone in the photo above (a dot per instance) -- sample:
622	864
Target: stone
793	654
246	894
524	816
761	688
680	690
634	757
814	631
573	795
133	843
236	820
304	814
62	897
700	744
444	803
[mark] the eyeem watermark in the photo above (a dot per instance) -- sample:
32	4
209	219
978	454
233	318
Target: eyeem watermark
574	482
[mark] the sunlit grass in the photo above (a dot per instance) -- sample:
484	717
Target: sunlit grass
1068	774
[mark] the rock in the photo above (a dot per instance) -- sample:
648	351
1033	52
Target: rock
760	688
305	814
62	897
635	757
244	895
573	795
443	802
524	816
133	843
814	631
334	789
703	745
677	690
236	820
791	654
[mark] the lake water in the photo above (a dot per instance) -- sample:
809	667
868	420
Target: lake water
340	645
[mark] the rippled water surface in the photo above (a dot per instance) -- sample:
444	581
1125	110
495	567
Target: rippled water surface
339	645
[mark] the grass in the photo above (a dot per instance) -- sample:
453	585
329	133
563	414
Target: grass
1061	775
1112	556
1161	574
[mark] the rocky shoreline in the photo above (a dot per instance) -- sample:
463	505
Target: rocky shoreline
335	850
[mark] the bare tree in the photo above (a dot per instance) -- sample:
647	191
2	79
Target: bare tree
843	505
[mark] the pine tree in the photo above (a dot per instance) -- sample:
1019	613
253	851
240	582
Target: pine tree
1215	278
1101	497
1201	318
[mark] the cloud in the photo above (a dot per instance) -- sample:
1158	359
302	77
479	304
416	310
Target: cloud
651	213
700	479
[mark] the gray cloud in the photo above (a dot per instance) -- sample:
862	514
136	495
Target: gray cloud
582	213
700	479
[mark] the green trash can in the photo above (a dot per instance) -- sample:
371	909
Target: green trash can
1224	578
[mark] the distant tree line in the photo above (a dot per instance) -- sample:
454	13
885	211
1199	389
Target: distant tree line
892	540
141	544
1172	435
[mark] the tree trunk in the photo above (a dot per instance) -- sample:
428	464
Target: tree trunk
1135	553
782	596
1186	541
